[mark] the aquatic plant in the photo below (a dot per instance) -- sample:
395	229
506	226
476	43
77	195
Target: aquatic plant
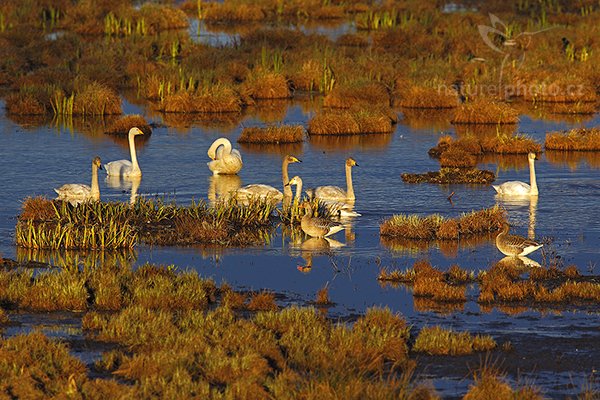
451	176
215	99
577	139
484	111
433	226
351	122
357	94
436	340
264	84
322	297
426	97
273	134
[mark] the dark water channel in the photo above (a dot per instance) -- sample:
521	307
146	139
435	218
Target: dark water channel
557	350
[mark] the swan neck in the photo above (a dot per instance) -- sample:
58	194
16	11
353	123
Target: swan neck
349	185
212	151
95	188
532	180
298	189
134	162
287	190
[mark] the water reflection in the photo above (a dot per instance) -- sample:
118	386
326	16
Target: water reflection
483	131
518	263
433	119
223	123
573	159
573	113
30	121
449	248
423	304
314	247
344	143
127	184
522	210
269	110
220	186
505	162
78	259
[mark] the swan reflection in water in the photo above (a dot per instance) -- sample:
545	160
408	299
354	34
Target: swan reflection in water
130	184
221	186
314	247
518	262
522	209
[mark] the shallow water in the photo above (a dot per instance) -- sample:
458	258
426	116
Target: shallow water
36	158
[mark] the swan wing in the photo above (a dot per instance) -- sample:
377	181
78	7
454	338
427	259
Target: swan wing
73	191
118	168
513	188
259	191
334	193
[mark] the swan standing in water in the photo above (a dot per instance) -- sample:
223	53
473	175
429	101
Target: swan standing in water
126	168
225	160
518	188
263	192
316	226
337	208
336	193
76	193
514	245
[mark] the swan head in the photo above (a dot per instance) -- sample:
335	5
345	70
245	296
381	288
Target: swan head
135	131
532	156
97	162
296	180
350	162
291	159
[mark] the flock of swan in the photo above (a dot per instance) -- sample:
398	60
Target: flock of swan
228	161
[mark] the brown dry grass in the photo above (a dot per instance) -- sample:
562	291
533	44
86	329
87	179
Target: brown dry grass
272	134
436	340
123	124
426	97
437	227
490	384
216	100
358	94
561	92
266	85
484	111
577	139
323	298
262	301
96	99
350	122
37	208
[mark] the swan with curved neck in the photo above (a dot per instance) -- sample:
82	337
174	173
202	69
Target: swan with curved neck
340	209
76	193
514	245
126	168
518	188
336	193
262	192
225	160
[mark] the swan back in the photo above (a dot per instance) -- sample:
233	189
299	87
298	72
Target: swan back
225	160
518	188
76	193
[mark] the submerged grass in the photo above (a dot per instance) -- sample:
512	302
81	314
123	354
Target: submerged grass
436	340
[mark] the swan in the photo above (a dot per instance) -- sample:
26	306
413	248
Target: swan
316	226
514	245
335	208
264	192
126	168
225	160
518	188
336	193
76	193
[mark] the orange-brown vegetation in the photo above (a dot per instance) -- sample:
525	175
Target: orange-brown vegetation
218	99
452	176
484	111
577	139
367	93
351	122
96	99
323	298
438	227
266	85
490	384
123	124
436	340
273	134
426	97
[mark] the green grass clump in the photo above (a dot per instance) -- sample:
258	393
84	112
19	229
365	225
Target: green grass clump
436	340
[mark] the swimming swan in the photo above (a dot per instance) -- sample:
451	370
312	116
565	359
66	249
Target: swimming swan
514	245
336	193
263	192
316	226
340	209
126	168
76	193
225	160
518	188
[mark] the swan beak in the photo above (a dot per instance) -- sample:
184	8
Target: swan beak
356	164
100	166
297	160
287	184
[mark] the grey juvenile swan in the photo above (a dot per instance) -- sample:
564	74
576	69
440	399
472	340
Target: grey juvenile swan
316	226
514	245
336	193
263	192
76	193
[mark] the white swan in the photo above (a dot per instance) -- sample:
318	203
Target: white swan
336	193
264	192
126	168
340	209
76	193
518	188
225	160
